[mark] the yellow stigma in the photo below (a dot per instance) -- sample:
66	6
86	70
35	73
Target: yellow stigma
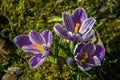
77	26
85	56
39	47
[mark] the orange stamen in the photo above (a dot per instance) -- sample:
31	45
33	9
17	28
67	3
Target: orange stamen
40	48
85	56
77	26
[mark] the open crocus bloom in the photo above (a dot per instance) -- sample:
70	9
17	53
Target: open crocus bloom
35	44
77	27
88	55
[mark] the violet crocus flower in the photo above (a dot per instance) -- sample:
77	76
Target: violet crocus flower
77	27
88	55
35	44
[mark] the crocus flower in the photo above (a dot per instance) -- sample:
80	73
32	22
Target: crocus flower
88	55
77	27
35	44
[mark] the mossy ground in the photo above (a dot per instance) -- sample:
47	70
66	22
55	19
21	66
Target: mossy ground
21	16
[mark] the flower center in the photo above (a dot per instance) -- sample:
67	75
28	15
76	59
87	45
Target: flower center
38	47
77	26
85	56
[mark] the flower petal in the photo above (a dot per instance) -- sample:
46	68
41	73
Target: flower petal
78	47
79	15
84	67
60	31
94	61
87	25
90	48
73	36
47	50
100	52
45	53
36	61
36	38
48	37
79	55
22	40
67	21
88	36
29	49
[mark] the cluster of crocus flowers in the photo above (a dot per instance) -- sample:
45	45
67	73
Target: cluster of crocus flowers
77	27
35	44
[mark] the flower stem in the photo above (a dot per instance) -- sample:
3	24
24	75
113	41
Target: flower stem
88	74
71	46
78	75
57	49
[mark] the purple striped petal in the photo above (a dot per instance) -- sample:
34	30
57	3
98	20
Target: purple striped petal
60	31
22	40
94	61
48	37
47	50
29	49
73	36
78	48
90	48
67	21
84	67
79	15
88	36
79	55
100	52
36	38
45	53
36	61
87	25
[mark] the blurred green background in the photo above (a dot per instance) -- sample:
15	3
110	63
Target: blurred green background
21	16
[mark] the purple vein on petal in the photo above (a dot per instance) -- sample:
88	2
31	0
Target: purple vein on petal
67	21
60	31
